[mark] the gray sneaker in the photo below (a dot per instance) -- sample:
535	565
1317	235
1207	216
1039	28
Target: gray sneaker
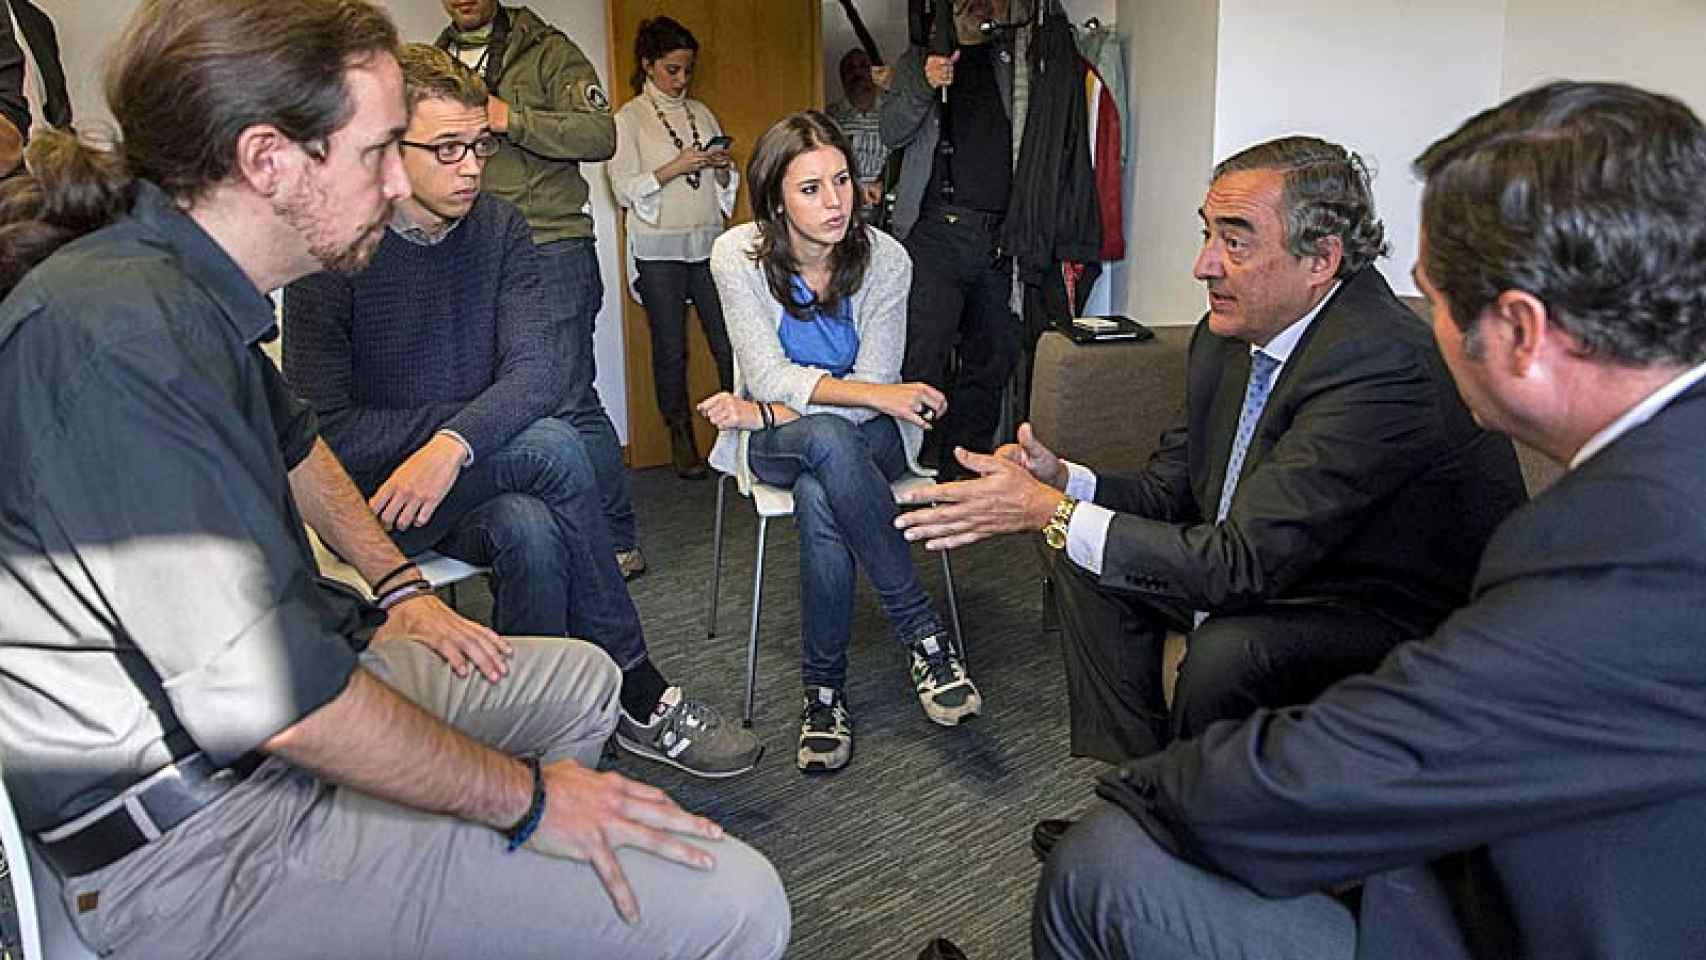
946	693
691	736
826	731
632	563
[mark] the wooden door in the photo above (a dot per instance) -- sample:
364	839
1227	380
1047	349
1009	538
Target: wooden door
759	60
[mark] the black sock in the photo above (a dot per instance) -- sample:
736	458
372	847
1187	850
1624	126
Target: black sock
642	687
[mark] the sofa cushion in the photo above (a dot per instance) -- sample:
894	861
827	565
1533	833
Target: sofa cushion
1105	404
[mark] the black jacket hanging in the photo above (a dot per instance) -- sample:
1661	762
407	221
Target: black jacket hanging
1053	215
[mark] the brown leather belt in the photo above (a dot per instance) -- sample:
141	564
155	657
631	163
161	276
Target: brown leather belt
141	814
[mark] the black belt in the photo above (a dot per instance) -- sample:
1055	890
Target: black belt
141	814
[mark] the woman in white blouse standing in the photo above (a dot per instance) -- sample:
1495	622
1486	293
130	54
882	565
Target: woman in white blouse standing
678	187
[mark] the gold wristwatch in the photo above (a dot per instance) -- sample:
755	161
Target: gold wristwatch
1054	532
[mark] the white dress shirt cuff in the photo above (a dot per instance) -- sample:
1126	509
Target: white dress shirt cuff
467	448
1087	535
1080	481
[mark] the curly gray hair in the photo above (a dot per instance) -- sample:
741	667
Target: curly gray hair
1326	194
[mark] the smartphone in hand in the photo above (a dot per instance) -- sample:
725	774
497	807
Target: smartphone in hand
720	142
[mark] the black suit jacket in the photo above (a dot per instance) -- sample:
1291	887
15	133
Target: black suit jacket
1552	734
1366	483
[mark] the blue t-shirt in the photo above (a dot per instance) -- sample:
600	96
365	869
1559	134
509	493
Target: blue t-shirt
825	339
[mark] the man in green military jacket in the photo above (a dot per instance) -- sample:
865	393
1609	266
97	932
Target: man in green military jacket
552	114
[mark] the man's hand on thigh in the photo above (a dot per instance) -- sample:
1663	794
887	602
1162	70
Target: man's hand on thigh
430	622
414	490
588	815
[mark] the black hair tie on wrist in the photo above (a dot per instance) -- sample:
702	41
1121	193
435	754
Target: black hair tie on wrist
379	585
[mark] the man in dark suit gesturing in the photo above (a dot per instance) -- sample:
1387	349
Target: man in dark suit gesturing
1529	781
1326	499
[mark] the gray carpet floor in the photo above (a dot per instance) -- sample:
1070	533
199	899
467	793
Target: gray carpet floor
926	833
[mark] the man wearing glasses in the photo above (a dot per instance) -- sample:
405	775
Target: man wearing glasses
444	382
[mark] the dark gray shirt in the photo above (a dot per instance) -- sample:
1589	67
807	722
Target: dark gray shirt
157	592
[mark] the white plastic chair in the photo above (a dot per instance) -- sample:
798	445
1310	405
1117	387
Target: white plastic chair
772	502
44	929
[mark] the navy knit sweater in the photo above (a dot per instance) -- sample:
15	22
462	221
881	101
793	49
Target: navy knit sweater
464	335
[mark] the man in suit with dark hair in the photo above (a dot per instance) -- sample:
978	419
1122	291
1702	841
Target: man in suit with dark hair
1326	499
1531	779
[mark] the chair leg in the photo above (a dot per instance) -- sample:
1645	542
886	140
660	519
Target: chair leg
752	636
954	606
716	559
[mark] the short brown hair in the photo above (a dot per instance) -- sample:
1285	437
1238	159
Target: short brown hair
431	74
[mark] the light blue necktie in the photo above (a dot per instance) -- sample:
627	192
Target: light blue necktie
1262	369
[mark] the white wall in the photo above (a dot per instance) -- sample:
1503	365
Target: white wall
1649	43
1170	71
87	28
85	31
1382	77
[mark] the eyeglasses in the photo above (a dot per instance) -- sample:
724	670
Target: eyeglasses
452	151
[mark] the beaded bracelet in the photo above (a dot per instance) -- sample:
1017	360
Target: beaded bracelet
529	822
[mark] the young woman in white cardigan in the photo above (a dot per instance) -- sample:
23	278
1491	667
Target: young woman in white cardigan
816	307
678	189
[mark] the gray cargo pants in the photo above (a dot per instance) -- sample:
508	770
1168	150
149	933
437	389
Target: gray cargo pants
285	866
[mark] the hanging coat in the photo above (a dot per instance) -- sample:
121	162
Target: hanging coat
1053	216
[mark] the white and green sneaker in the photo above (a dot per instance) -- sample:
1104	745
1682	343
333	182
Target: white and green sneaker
691	736
947	694
826	731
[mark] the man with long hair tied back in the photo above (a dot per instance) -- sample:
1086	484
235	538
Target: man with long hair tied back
198	735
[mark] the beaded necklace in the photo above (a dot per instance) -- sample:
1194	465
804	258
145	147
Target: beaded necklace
694	178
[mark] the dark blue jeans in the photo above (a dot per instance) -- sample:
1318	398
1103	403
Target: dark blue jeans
665	285
840	474
529	510
572	267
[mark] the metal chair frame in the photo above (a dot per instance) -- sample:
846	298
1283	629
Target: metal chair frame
771	502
